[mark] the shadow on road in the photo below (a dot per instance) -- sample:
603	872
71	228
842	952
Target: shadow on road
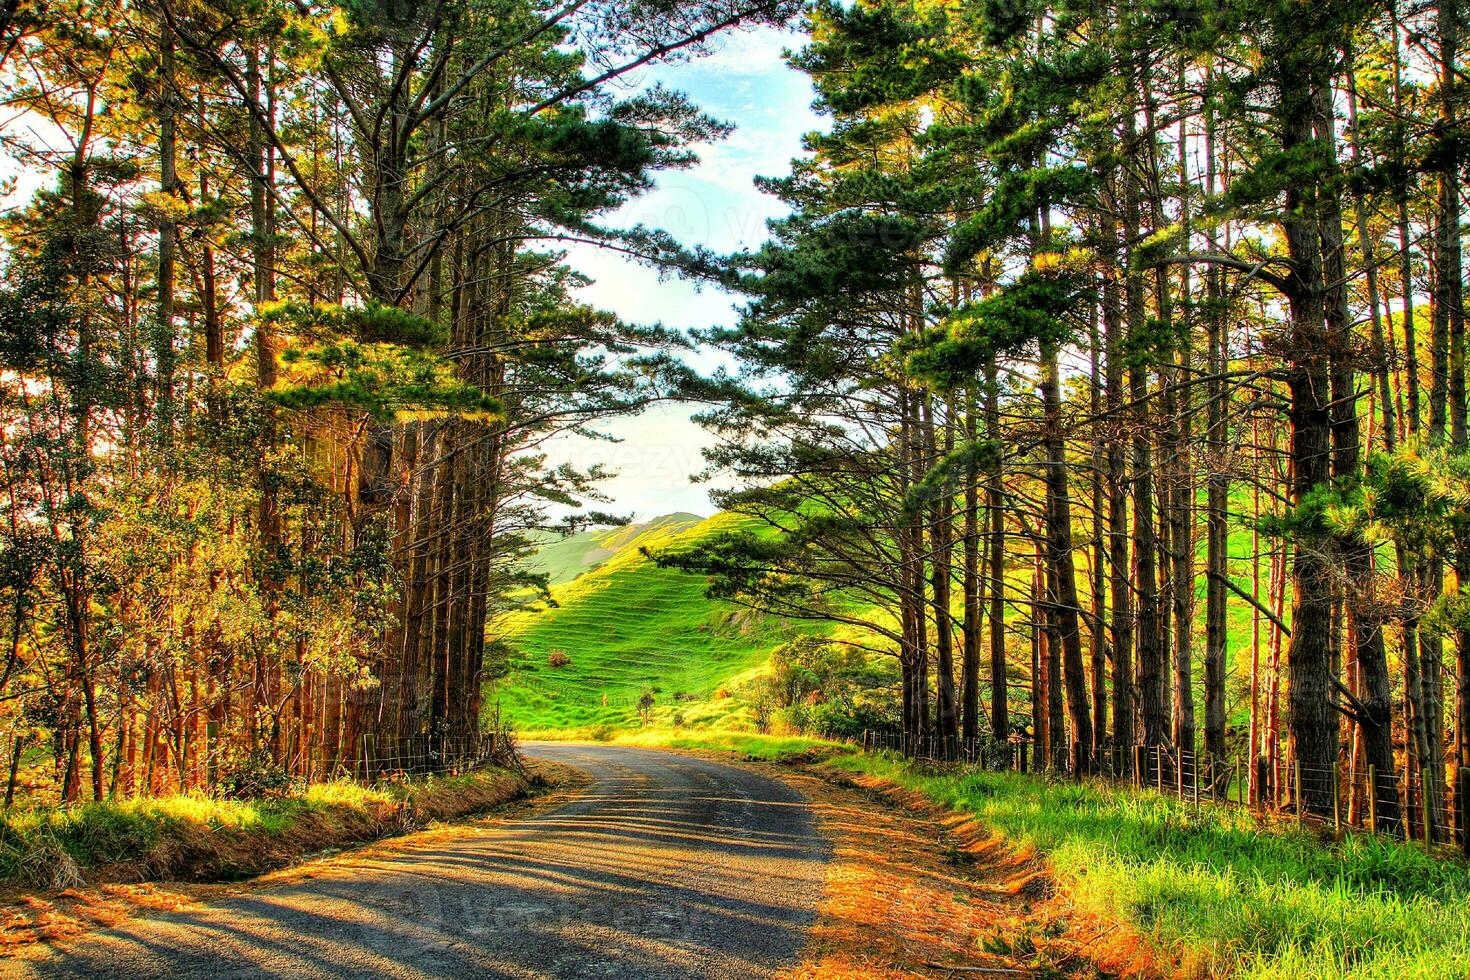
665	866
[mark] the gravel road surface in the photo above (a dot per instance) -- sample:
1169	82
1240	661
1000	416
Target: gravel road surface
664	866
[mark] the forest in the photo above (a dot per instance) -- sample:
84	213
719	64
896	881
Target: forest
283	328
1144	320
1106	373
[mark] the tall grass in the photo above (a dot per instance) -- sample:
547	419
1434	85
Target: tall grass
1226	895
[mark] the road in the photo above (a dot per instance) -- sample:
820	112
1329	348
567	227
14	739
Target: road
664	866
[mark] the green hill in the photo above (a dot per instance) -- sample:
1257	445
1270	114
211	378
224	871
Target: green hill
625	626
564	558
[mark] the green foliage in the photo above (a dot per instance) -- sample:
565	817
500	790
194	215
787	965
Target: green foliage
818	687
1033	309
374	359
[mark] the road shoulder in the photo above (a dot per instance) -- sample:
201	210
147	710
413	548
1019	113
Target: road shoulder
916	891
33	921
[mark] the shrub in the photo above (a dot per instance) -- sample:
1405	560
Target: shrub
254	776
558	658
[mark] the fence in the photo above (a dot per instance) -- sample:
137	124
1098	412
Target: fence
1392	803
371	759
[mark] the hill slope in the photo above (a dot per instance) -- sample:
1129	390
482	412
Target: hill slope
564	558
627	626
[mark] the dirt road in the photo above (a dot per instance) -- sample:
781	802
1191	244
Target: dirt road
664	866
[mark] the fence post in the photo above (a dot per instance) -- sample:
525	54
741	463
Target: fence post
1372	799
1428	819
211	753
1159	764
1336	799
1140	766
1462	806
1297	796
369	755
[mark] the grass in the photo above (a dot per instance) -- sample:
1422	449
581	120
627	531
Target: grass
628	626
1225	894
1215	888
769	748
195	837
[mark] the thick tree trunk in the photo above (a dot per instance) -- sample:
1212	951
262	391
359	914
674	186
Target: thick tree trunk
1125	707
1000	719
1309	659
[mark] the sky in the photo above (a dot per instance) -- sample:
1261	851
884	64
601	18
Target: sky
715	204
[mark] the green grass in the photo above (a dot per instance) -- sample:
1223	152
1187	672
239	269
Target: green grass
627	626
1228	896
769	748
197	836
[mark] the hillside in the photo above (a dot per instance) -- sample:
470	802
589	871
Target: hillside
564	558
626	626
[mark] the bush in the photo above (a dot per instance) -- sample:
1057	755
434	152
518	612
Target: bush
255	776
558	658
817	687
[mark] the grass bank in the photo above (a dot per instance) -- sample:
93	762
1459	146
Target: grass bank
197	838
1213	887
1222	893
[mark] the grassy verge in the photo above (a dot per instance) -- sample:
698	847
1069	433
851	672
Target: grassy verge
1225	895
770	748
196	838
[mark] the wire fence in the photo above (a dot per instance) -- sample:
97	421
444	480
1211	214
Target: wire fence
369	759
1395	803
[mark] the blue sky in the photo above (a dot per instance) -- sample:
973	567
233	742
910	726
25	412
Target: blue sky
747	82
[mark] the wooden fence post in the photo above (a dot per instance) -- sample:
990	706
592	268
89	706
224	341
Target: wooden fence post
369	755
1336	800
1462	806
1140	766
1297	796
211	753
1373	799
1428	819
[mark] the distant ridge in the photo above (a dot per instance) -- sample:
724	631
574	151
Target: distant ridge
565	558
